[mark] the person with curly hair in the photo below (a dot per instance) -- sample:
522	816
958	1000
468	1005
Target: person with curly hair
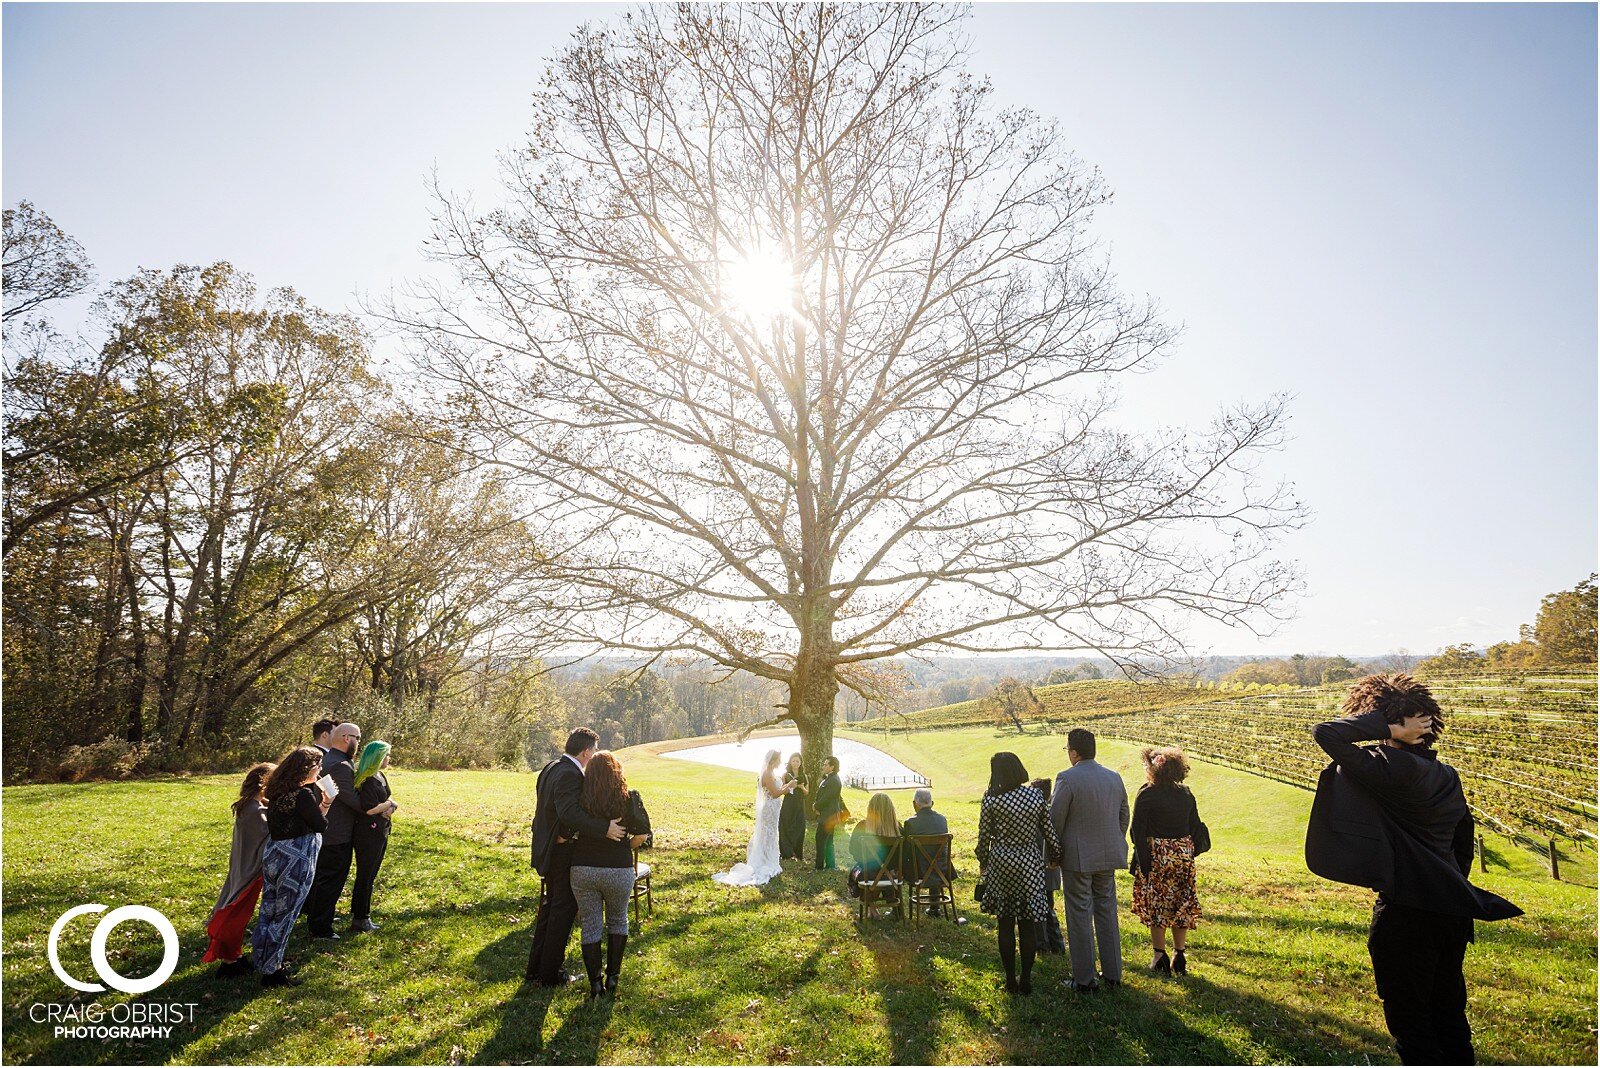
1165	828
297	814
1392	817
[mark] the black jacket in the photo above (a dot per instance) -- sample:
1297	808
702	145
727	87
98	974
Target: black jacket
828	800
1394	820
346	807
598	851
373	792
558	812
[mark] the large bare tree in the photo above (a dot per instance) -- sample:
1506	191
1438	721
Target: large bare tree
800	349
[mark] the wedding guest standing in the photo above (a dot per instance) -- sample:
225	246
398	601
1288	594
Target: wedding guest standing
370	835
1392	818
338	842
1167	835
237	902
558	817
1016	842
1089	809
872	840
602	868
830	811
1054	942
792	818
297	814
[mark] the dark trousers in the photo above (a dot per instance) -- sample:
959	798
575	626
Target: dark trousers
552	927
369	858
1416	961
333	868
825	842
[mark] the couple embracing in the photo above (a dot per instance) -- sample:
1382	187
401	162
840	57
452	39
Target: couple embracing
586	825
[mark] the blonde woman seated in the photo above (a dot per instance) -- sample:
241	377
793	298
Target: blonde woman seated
872	840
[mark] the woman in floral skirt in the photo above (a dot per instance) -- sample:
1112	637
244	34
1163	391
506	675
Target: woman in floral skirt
1166	822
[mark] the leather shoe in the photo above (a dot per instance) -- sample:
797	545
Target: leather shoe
1110	983
1080	988
364	926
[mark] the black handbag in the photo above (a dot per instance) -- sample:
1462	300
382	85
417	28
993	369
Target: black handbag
1198	831
977	893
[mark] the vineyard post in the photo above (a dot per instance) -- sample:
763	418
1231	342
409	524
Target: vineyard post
1483	861
1555	863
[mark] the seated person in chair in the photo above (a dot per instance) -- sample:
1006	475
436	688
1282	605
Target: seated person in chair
872	840
926	821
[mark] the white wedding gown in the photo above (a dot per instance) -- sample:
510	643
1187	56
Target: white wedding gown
761	860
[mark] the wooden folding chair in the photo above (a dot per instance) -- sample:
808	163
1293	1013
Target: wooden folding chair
641	888
883	890
929	875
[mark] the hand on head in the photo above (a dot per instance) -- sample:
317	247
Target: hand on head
1412	729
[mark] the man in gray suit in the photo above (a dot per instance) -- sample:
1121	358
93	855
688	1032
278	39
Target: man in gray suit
1089	808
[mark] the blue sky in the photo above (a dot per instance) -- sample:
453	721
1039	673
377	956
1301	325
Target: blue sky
1385	210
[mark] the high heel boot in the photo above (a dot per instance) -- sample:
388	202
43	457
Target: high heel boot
591	964
615	946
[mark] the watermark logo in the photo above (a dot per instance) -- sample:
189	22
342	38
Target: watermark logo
123	1020
97	948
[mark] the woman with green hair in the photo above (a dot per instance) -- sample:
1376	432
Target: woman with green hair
371	838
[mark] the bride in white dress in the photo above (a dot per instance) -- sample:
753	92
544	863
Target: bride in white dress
761	860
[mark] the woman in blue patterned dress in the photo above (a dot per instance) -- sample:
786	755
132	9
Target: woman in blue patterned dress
1016	841
297	814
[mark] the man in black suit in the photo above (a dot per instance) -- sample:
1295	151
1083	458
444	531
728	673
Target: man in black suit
558	817
1393	818
830	811
338	841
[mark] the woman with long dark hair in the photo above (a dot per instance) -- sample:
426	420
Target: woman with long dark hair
297	814
602	869
1165	819
792	817
237	902
1016	840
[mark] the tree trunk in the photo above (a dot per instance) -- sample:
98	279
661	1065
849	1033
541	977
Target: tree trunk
811	695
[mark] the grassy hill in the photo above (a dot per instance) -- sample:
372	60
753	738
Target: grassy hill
781	974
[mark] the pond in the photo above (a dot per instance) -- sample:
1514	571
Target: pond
859	764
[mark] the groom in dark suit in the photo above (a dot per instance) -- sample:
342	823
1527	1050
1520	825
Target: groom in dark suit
830	811
1392	817
558	817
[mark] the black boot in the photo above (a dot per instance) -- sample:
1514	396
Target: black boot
591	964
616	945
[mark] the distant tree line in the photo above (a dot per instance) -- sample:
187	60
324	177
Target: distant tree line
220	522
1563	634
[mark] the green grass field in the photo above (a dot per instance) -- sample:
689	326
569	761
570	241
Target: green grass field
1279	971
